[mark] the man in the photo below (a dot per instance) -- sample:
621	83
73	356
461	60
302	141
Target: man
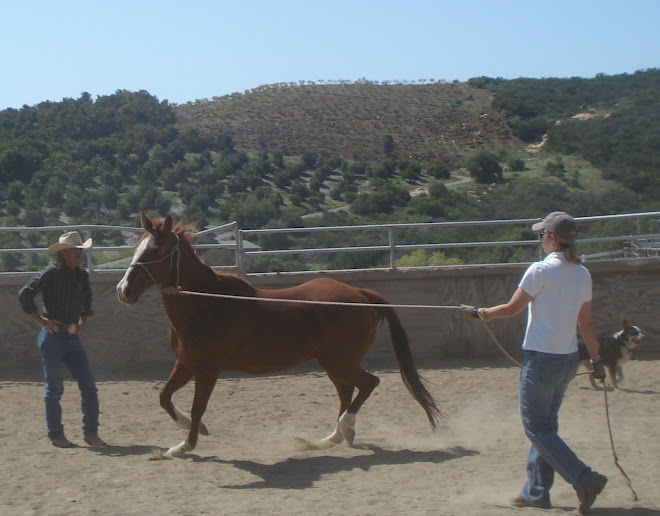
67	302
557	292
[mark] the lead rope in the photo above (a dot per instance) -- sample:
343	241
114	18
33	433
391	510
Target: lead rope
496	341
616	459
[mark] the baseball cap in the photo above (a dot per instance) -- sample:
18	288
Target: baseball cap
560	224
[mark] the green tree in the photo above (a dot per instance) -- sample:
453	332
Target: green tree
484	167
53	192
281	179
308	160
388	145
517	164
15	191
278	160
33	214
424	258
439	170
10	262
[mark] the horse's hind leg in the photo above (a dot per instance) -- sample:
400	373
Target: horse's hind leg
204	384
345	396
179	377
365	383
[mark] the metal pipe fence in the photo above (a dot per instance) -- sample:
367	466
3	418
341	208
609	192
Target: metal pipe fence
391	240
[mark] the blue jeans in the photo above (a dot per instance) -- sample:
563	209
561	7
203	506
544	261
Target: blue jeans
58	349
543	381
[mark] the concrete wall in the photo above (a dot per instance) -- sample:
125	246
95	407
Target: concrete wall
128	342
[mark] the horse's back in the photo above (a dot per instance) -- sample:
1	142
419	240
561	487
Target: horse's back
326	289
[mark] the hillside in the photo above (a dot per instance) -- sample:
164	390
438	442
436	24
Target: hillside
426	121
331	154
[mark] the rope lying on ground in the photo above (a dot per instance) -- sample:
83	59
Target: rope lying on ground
616	459
436	307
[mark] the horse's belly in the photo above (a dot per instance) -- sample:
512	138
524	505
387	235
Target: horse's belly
266	363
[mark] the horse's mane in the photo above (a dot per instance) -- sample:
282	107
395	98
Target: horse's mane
229	283
185	229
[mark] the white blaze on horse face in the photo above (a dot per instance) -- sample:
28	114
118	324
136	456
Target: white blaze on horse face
121	286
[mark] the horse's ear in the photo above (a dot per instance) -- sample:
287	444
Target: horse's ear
146	223
167	224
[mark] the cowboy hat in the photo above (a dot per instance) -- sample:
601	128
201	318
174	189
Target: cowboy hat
69	241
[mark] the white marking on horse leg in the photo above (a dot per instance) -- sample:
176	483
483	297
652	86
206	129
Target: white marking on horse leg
334	438
346	424
345	429
178	450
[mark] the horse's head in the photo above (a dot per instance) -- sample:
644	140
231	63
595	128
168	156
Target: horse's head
156	255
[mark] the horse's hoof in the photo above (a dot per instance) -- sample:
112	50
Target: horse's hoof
349	435
346	425
202	429
177	451
332	440
157	454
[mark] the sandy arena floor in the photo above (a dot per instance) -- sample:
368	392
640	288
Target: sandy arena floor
250	463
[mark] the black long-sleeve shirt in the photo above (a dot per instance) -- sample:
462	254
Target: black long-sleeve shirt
66	294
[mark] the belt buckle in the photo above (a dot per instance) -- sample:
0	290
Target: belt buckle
72	329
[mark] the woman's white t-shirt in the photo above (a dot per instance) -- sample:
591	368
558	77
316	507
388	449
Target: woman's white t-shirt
559	288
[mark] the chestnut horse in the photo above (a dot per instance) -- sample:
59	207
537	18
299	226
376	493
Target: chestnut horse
210	335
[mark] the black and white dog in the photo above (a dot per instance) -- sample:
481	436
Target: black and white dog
614	350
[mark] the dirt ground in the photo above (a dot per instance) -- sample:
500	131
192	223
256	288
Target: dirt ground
251	464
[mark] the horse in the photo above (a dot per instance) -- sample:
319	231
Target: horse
260	331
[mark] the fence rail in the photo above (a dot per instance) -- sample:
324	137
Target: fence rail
231	237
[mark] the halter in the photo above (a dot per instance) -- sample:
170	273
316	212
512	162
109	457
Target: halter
175	250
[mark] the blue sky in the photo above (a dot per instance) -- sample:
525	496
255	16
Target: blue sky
181	51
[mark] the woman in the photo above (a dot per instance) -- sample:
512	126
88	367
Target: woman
557	292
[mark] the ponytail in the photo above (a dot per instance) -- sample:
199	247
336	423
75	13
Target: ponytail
570	253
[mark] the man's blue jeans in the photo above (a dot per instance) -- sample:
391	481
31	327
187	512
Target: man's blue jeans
543	381
58	349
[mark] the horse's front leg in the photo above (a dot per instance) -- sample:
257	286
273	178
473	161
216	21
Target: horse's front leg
179	377
204	385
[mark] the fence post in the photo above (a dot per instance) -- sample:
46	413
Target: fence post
240	265
390	236
88	253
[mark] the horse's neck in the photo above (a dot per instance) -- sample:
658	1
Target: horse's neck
194	274
228	284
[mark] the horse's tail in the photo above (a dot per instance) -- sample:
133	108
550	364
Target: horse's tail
411	378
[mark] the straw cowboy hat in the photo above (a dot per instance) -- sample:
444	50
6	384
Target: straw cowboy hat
69	241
